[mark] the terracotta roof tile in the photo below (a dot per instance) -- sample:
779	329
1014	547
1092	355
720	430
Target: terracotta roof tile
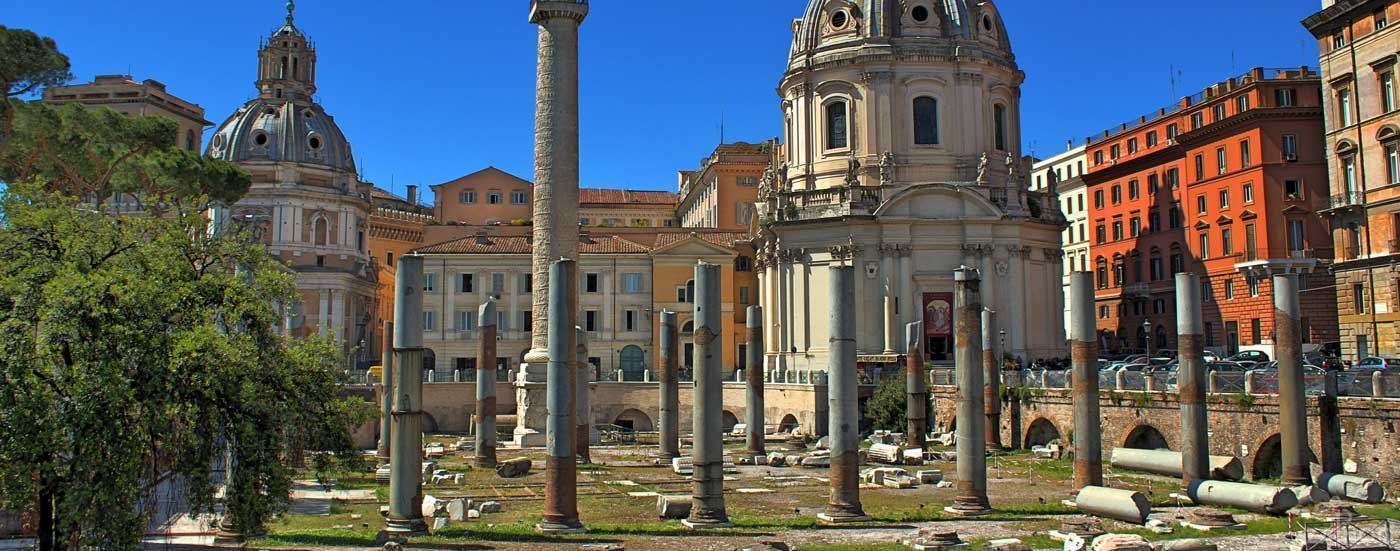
596	196
722	239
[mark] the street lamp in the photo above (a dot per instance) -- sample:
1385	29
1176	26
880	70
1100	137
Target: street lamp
1147	338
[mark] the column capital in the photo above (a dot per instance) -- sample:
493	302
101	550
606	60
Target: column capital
543	10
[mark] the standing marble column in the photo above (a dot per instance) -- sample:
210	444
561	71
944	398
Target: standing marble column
486	387
582	411
754	375
406	453
991	375
561	472
707	503
670	391
916	385
971	496
1088	448
1293	422
386	381
843	401
555	226
1191	380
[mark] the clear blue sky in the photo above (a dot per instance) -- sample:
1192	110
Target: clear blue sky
431	90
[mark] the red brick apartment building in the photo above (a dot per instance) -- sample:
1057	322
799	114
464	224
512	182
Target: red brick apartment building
1227	183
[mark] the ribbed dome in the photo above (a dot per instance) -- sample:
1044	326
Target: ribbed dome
835	23
268	129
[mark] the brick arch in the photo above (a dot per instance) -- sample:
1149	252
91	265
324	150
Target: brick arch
639	420
430	424
788	423
1268	457
1143	435
728	420
1041	431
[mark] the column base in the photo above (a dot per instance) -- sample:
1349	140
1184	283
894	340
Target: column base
560	528
967	510
405	526
843	518
528	438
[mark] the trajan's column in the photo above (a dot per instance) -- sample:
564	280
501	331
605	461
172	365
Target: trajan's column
556	191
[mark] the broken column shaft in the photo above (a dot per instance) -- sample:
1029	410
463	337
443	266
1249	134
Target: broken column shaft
707	509
670	391
1191	380
843	401
386	382
991	375
1293	428
971	496
561	473
754	378
486	388
1329	425
581	409
1084	352
406	433
916	386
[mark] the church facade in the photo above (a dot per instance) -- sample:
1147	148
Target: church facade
902	157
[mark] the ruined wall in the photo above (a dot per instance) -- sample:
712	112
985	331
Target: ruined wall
1242	425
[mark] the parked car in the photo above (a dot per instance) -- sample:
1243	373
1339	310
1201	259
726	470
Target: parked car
1234	367
1256	356
1375	363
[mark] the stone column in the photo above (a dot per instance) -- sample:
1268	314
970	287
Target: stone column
891	325
386	382
556	188
1191	380
754	376
909	309
843	401
707	503
1330	425
406	453
785	308
971	496
991	373
1084	357
323	315
670	392
1293	424
916	386
486	387
582	411
561	473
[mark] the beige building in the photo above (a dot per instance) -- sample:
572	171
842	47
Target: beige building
1357	40
145	98
487	197
903	158
616	208
722	193
1065	173
312	206
626	276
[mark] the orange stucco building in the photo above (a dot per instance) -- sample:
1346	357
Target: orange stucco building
1228	184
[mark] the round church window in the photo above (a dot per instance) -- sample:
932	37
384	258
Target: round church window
838	20
987	23
314	142
260	138
920	13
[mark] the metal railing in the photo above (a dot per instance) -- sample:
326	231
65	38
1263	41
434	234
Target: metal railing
1260	382
1347	199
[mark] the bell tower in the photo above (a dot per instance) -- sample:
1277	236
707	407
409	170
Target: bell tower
287	63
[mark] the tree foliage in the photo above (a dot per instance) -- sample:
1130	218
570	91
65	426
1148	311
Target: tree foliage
131	350
887	408
28	62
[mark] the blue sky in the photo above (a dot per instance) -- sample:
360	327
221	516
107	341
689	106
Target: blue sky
431	90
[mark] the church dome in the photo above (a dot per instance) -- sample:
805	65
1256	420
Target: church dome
284	123
828	24
284	130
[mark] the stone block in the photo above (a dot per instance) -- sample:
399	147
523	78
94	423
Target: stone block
931	476
488	507
514	468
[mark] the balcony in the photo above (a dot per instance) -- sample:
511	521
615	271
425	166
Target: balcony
835	202
1280	261
1344	200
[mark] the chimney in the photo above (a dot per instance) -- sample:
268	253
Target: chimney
481	238
413	194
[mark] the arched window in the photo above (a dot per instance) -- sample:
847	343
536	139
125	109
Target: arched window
189	140
999	118
836	127
1101	272
320	232
925	121
633	364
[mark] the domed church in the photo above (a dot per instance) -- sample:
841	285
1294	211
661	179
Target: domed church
307	200
902	157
